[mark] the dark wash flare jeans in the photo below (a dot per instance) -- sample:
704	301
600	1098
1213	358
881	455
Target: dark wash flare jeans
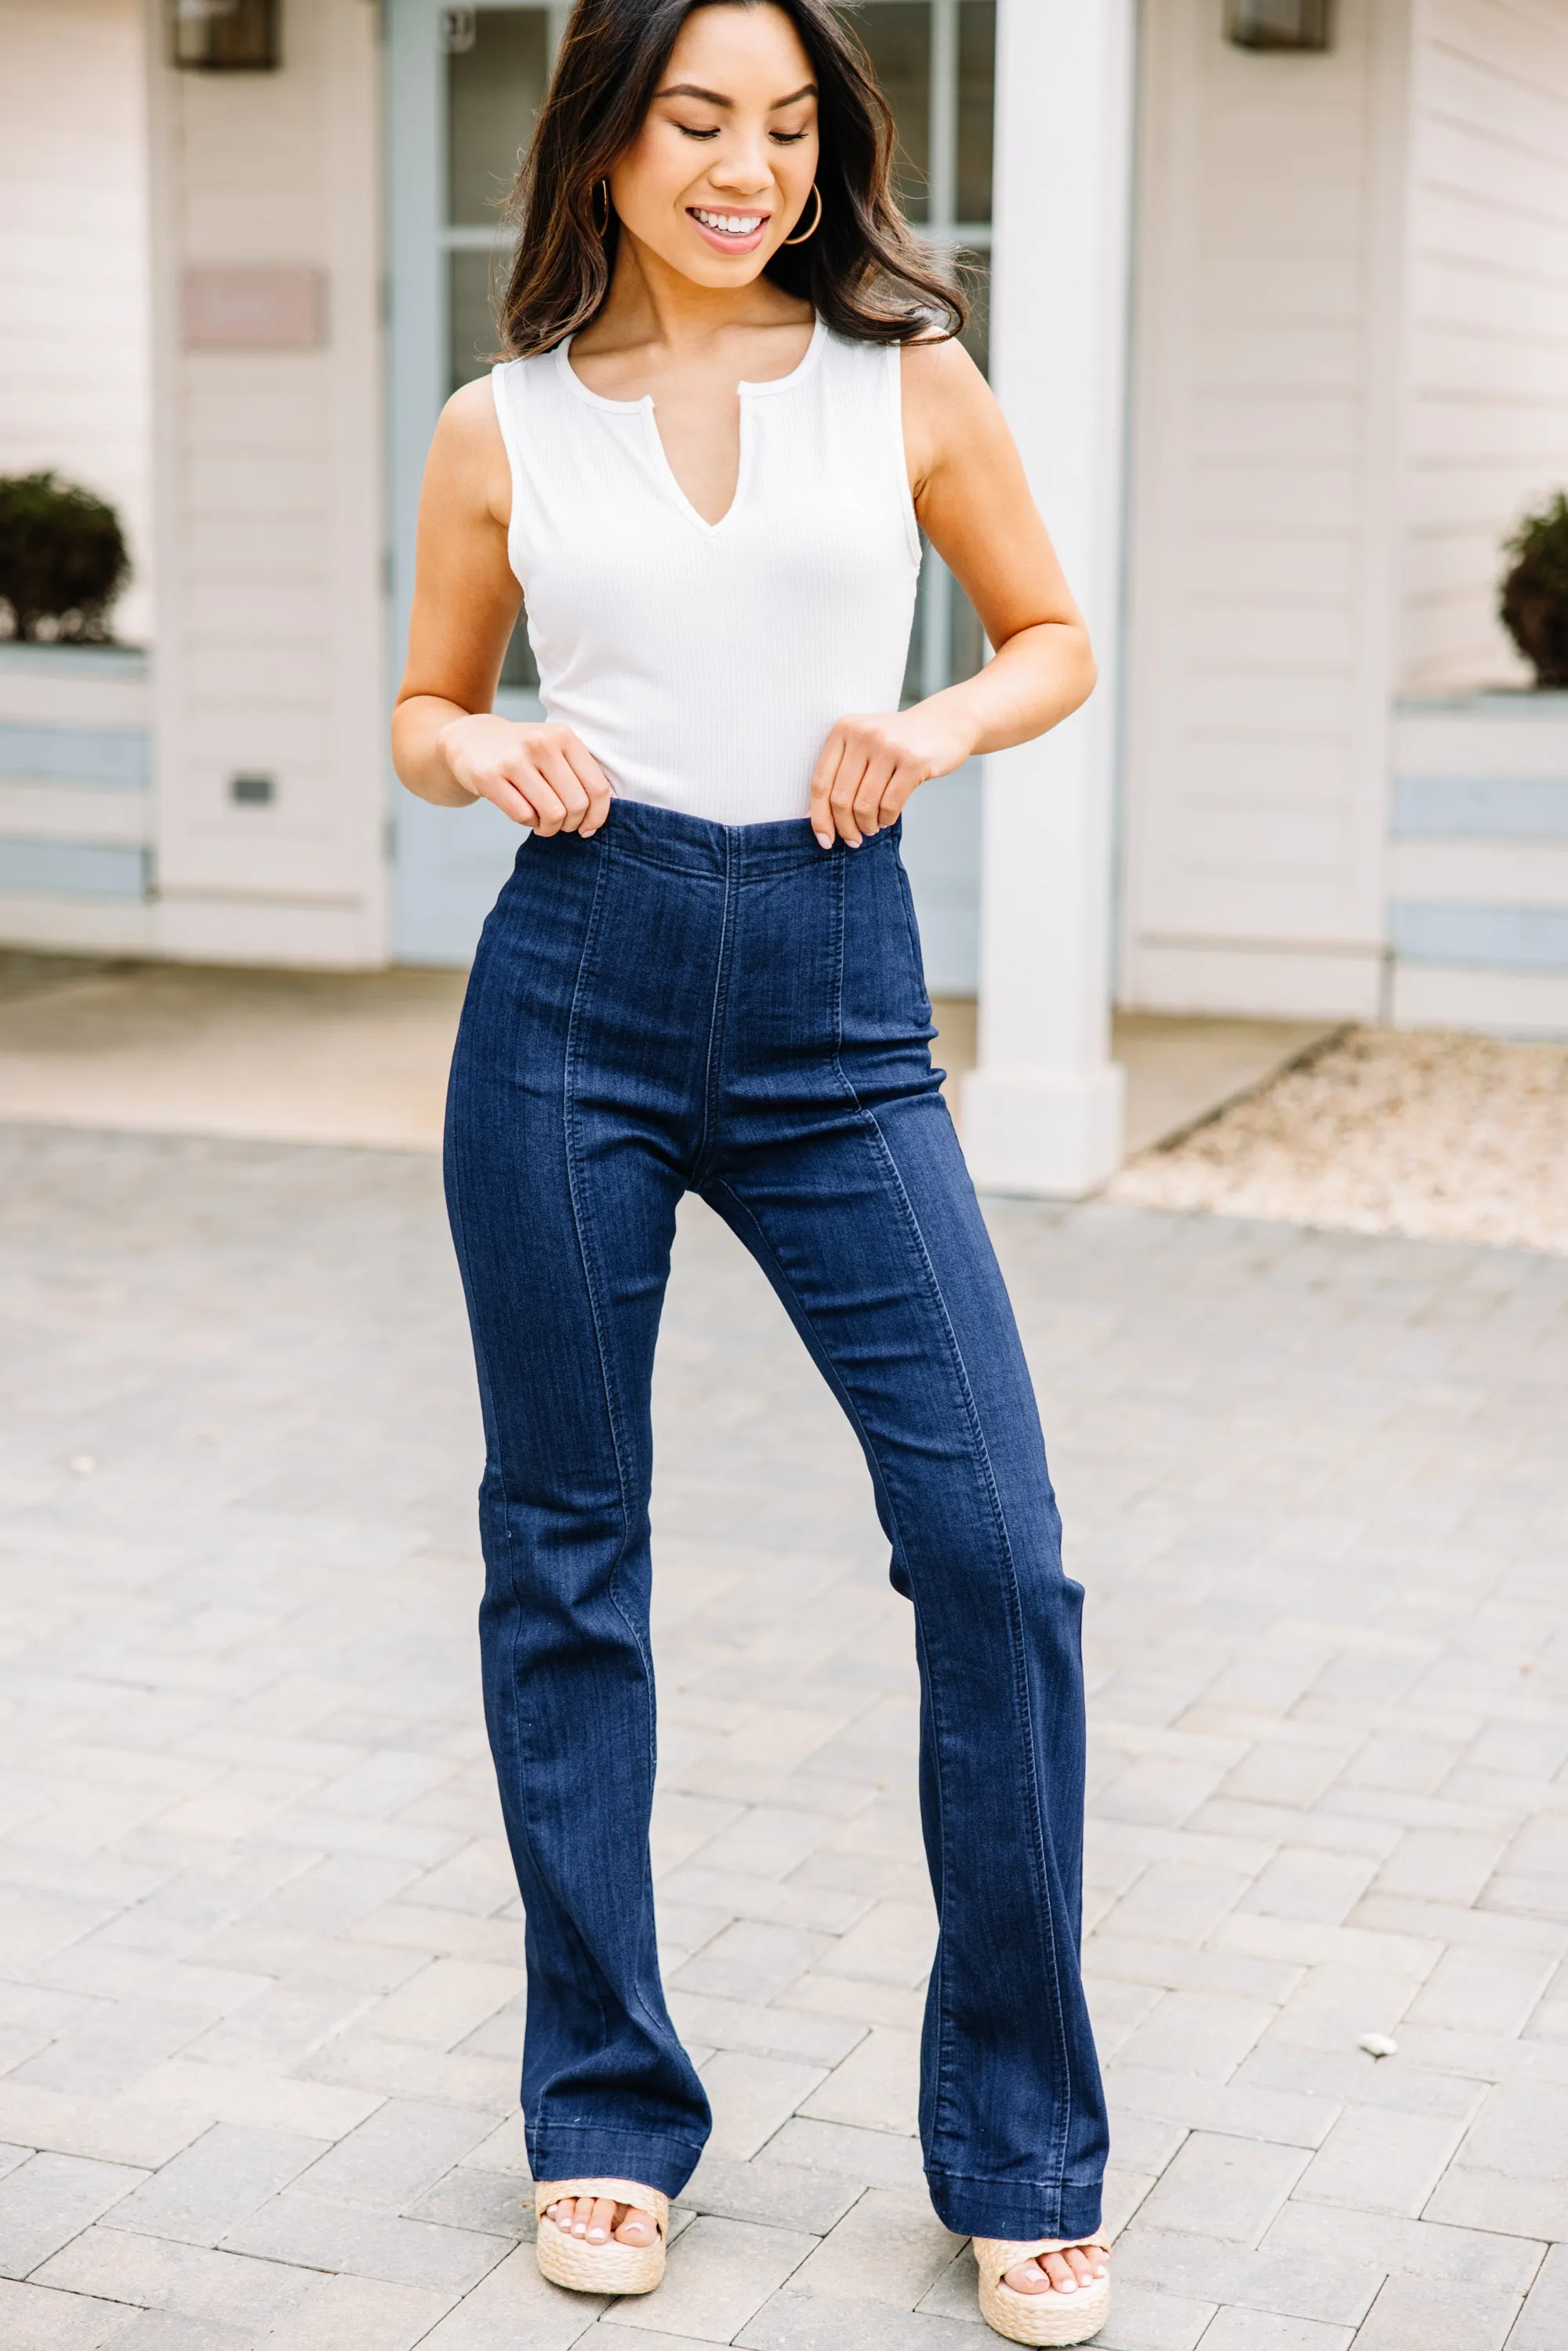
675	1006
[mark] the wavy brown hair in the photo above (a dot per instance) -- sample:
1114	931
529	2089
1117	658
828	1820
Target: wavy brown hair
863	272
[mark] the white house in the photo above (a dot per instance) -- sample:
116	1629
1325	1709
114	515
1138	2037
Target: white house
1283	333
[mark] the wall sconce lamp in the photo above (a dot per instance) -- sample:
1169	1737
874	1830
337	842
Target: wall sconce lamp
1278	24
225	36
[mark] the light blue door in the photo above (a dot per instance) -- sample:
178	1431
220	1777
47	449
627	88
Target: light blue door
464	84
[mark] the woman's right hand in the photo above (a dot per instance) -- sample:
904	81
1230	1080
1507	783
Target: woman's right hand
539	776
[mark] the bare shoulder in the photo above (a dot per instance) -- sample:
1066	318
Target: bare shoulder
949	409
469	426
939	376
467	456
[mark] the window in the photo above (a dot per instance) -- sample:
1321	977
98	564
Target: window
936	61
497	64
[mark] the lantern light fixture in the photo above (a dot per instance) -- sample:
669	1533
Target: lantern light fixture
1278	24
225	36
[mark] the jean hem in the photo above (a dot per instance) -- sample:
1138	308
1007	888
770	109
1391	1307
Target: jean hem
1017	2210
581	2151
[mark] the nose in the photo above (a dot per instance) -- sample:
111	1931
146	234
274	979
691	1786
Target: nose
745	167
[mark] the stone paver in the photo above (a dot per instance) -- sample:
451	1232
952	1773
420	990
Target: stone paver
260	1952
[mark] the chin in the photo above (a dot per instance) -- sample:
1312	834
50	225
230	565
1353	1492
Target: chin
713	270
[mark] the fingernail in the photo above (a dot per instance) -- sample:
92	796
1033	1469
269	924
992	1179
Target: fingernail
824	841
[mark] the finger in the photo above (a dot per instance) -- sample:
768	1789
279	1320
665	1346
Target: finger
898	792
879	774
822	779
841	799
551	814
510	799
594	782
552	764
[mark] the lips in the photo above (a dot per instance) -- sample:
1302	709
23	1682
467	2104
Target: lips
729	232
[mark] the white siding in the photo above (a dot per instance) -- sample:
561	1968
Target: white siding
73	259
1488	421
269	467
1261	570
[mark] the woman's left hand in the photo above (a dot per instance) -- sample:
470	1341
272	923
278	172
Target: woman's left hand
870	767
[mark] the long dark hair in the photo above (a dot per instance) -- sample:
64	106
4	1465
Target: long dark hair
862	271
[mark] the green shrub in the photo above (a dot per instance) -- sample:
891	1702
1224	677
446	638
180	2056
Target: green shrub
62	559
1534	606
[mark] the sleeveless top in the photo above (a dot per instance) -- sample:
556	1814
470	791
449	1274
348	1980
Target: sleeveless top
704	664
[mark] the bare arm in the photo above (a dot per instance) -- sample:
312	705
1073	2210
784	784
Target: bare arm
973	499
447	744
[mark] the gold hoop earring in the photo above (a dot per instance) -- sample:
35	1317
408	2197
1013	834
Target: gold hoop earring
808	235
601	228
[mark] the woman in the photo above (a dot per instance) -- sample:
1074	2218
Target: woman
735	401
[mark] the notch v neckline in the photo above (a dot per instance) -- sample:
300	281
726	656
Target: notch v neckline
646	408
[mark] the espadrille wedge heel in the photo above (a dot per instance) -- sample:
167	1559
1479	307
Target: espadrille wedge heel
610	2268
1049	2318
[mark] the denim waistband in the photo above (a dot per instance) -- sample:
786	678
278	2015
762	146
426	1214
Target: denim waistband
693	844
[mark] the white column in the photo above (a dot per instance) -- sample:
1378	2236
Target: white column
1043	1111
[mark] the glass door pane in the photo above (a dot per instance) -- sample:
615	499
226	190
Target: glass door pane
976	108
498	66
494	89
897	34
936	61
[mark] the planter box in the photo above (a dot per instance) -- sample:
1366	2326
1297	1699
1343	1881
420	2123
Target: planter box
1478	895
76	797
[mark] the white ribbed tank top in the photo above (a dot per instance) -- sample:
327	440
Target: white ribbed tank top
704	664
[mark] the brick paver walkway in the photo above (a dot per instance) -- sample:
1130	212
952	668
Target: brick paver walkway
260	2012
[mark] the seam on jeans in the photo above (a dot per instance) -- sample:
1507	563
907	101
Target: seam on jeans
569	1139
1020	1678
816	1348
922	992
486	1396
940	1987
602	2130
709	1135
640	856
512	1699
582	1224
991	2179
940	2101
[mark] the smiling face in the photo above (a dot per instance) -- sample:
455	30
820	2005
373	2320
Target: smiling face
721	171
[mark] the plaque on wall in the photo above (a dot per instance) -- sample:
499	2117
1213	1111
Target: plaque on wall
242	307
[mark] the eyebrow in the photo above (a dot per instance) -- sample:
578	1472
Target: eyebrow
717	98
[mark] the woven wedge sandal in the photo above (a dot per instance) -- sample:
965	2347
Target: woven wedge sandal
1049	2318
610	2268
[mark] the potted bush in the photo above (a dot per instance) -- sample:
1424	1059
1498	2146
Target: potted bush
1534	607
62	561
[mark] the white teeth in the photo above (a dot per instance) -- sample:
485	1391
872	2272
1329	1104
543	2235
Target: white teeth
731	224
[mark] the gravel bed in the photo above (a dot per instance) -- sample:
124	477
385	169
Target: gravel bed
1386	1131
